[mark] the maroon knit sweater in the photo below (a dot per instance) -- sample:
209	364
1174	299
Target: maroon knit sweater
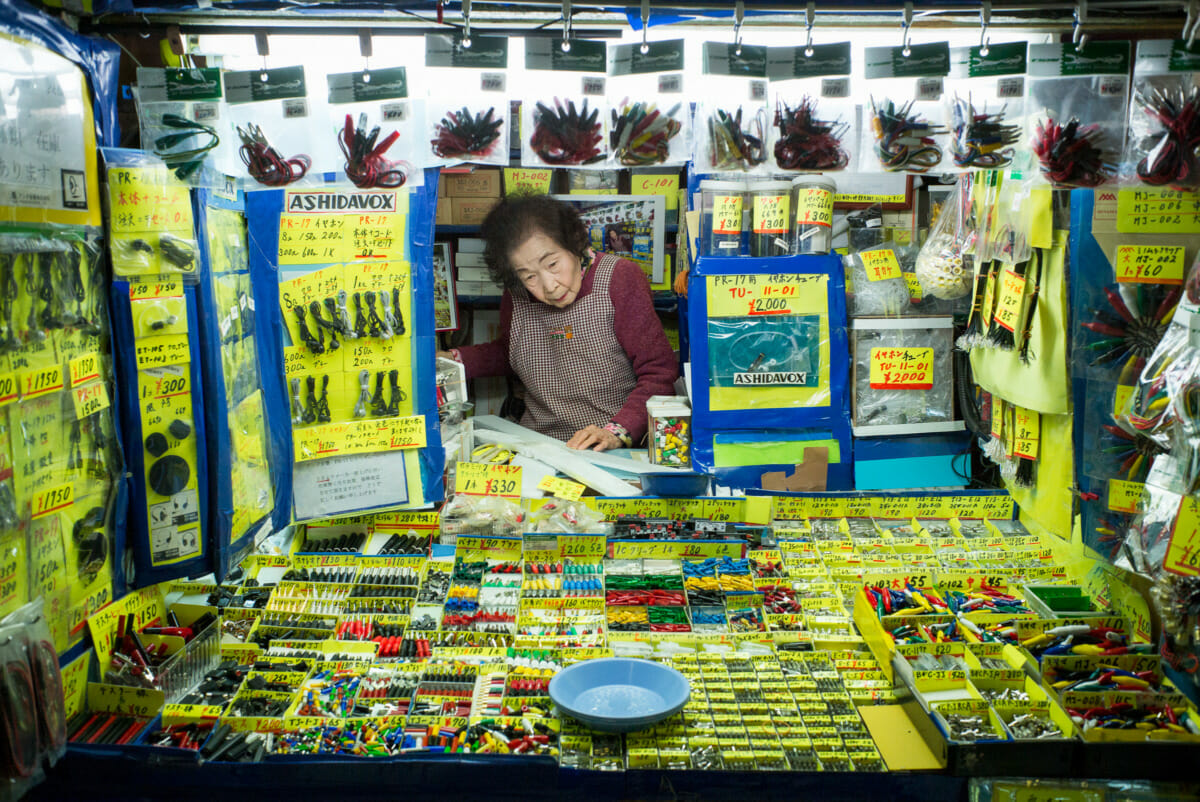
594	362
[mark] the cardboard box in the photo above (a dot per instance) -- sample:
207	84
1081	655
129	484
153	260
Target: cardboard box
444	213
479	183
473	274
462	259
470	211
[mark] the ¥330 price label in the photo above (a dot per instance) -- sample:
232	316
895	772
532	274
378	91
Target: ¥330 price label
477	479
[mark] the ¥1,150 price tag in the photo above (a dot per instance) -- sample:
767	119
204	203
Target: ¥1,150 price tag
901	368
85	368
1149	264
477	479
561	488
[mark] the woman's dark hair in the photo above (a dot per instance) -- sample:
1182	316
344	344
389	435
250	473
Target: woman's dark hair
515	219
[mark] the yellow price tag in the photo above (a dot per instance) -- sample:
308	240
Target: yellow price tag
1183	552
1027	432
771	213
1158	211
1124	496
997	417
1121	398
814	206
1150	264
85	368
140	291
914	288
9	388
90	399
53	500
158	352
762	295
407	432
901	369
477	479
880	265
727	214
1010	300
524	181
561	488
656	184
40	381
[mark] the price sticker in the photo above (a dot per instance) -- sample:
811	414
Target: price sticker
1027	432
9	388
40	381
997	417
901	369
1121	398
90	399
727	214
561	488
771	214
915	292
1158	211
158	289
1124	496
880	265
1010	300
814	207
761	295
53	500
407	432
523	181
657	184
85	368
477	479
1150	264
1183	552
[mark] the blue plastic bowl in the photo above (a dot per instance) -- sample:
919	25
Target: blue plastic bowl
619	694
677	484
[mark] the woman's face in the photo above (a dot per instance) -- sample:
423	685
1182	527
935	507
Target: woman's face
547	271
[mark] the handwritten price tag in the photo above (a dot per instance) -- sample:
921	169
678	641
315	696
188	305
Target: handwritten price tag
9	388
40	381
522	181
727	214
814	207
477	479
53	500
561	488
1027	431
1183	552
90	399
1150	264
1121	398
771	214
158	289
1124	496
901	368
760	295
85	368
1158	211
657	184
997	417
1008	304
880	265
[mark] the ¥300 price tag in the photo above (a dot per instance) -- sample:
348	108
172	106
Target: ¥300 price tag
561	488
476	479
1149	264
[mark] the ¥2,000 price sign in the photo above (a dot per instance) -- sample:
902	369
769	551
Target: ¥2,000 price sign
1183	552
901	368
478	479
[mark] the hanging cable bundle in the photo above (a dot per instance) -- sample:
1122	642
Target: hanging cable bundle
1172	159
641	134
365	165
461	134
565	135
1134	452
806	143
904	141
1132	328
980	139
184	162
733	147
1070	154
264	163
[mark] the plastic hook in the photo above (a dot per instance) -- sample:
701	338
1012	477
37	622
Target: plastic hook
466	15
810	19
739	14
645	25
566	15
1078	37
985	19
907	26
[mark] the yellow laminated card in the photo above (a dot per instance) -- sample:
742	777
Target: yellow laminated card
1027	426
1124	496
901	369
327	226
765	295
880	265
1157	211
480	479
526	181
655	184
814	206
1010	299
1183	551
1150	264
561	488
358	437
148	199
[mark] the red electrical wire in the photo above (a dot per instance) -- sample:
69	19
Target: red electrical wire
19	717
264	163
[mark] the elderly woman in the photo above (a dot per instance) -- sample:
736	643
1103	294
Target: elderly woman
578	328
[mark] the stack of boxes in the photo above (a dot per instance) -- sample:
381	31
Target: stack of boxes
465	198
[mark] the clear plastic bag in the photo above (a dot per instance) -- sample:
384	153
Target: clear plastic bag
378	128
814	127
903	375
1076	110
732	113
1164	117
1150	409
907	128
150	219
272	112
183	119
569	517
944	265
564	111
467	109
985	106
650	119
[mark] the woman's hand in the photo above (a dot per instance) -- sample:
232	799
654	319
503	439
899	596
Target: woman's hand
595	438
